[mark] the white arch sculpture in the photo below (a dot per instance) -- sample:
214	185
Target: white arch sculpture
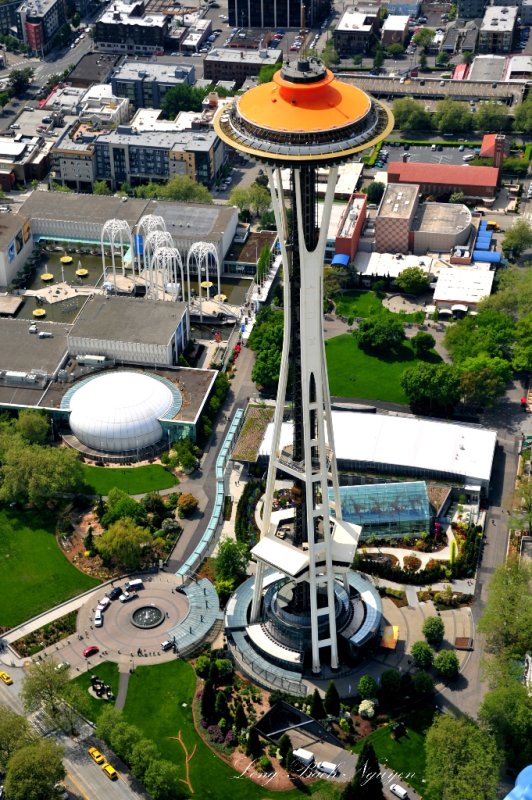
116	234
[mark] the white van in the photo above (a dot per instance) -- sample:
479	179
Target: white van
468	157
305	757
98	619
398	791
134	585
327	767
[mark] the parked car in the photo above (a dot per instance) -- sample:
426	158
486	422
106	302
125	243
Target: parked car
114	593
103	604
96	755
7	679
62	666
91	650
125	597
110	771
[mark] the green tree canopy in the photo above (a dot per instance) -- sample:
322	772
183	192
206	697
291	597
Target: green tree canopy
433	630
380	333
123	543
521	517
180	188
452	116
33	771
517	239
267	340
162	780
18	80
522	349
120	505
33	426
507	617
390	684
431	387
523	116
490	332
422	343
15	732
491	117
457	197
423	683
413	280
395	50
411	115
317	709
231	562
424	37
143	753
367	687
182	97
43	687
446	664
37	474
507	713
101	188
422	654
332	700
208	700
484	379
366	783
375	191
462	760
267	72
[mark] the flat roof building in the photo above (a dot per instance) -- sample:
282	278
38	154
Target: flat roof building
394	218
38	21
223	64
355	30
405	445
93	68
146	83
462	288
497	29
443	179
439	227
127	28
394	29
487	68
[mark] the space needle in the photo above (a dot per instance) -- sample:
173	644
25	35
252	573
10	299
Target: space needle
304	120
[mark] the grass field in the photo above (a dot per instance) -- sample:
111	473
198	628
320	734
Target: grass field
108	673
366	304
406	756
353	373
159	702
34	573
133	480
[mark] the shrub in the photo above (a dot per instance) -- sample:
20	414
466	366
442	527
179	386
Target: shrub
422	655
447	664
264	764
433	630
367	709
367	687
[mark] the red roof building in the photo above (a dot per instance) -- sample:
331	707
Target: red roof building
461	72
439	179
496	146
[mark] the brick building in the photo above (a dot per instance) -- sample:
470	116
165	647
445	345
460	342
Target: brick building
445	179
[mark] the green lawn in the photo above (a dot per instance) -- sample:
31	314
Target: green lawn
159	702
366	304
353	373
34	573
133	480
108	672
407	755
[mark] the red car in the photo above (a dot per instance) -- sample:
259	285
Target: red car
91	651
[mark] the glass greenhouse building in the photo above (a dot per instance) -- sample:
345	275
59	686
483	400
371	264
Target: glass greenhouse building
387	509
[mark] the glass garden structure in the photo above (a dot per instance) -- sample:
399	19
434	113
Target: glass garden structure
387	509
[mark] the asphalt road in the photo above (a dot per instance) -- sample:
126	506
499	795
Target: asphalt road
86	780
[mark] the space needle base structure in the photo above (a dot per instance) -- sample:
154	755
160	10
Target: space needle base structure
301	595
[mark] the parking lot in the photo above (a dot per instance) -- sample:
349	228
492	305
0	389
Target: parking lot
425	154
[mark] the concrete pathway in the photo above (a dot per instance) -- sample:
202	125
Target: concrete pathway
123	683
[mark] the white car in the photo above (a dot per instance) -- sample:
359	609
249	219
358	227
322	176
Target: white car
124	598
102	605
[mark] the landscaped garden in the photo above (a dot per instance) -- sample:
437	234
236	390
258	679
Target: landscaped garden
34	573
365	304
355	373
133	480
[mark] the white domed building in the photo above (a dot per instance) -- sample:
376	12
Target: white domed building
121	414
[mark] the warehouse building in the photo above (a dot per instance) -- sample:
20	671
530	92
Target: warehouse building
445	179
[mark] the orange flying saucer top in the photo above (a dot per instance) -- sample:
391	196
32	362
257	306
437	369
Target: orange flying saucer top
285	106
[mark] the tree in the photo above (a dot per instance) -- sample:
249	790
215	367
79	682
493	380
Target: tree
332	700
517	239
143	753
378	58
422	654
423	683
123	543
491	332
367	687
375	191
187	504
507	618
15	732
101	188
182	97
4	99
124	737
231	562
380	333
467	57
329	55
162	780
239	198
253	746
36	475
507	713
43	686
522	349
422	343
208	701
18	81
431	387
411	115
120	505
221	707
491	116
457	197
390	684
484	379
317	709
240	719
33	771
523	116
366	783
462	760
447	664
413	280
433	630
424	37
395	50
259	199
108	719
452	116
180	188
33	426
285	747
267	72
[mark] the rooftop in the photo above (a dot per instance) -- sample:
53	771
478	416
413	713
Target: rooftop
398	201
462	284
498	19
438	217
395	22
371	504
126	320
93	68
23	352
121	12
410	443
519	65
10	225
263	57
36	8
152	71
487	68
356	21
392	264
445	174
160	137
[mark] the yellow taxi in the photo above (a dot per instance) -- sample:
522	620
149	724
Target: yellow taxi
6	678
110	771
96	755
